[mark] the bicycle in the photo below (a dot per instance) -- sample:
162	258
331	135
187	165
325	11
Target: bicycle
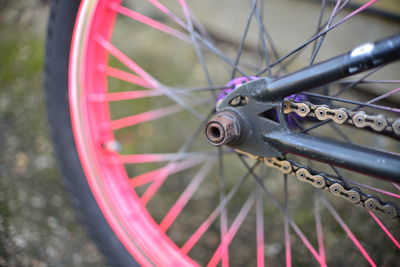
130	135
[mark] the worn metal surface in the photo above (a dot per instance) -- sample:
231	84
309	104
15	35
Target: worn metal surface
226	128
336	187
364	57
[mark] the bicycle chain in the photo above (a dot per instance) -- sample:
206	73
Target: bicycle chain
359	119
321	180
335	187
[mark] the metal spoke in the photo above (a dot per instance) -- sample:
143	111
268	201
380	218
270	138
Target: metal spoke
260	233
244	37
361	104
153	188
367	81
171	168
127	77
282	66
144	117
224	216
374	100
200	56
216	51
167	12
348	231
138	94
148	21
262	38
294	51
338	175
233	229
320	17
381	97
175	18
281	208
160	157
288	242
318	42
391	237
318	227
186	195
192	241
396	186
373	189
340	133
123	58
199	53
204	42
344	89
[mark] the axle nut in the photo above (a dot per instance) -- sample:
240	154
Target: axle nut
224	129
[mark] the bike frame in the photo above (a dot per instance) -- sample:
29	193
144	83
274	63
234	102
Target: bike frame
268	138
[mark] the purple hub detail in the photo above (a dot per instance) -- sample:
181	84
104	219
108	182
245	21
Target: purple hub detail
235	83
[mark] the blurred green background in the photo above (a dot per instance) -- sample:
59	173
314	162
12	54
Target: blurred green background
37	225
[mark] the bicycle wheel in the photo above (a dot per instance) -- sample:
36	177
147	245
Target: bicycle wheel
130	87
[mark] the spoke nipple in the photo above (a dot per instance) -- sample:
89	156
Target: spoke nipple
112	146
225	128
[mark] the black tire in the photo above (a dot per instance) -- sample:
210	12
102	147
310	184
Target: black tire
59	35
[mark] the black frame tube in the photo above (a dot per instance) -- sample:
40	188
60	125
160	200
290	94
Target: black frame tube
380	164
278	139
361	58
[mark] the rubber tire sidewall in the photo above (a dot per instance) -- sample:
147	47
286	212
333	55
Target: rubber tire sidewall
60	29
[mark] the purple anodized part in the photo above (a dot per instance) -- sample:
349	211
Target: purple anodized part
233	84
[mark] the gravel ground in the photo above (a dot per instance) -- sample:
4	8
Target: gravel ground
37	225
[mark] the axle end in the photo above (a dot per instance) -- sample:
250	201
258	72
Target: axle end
225	128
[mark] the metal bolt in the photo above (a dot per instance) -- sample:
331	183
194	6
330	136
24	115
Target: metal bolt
224	129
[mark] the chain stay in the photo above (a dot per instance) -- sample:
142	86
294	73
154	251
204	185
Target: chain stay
333	186
359	119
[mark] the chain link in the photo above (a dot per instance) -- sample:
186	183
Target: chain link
359	119
334	186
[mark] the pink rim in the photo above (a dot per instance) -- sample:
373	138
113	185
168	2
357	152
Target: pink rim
105	173
104	168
